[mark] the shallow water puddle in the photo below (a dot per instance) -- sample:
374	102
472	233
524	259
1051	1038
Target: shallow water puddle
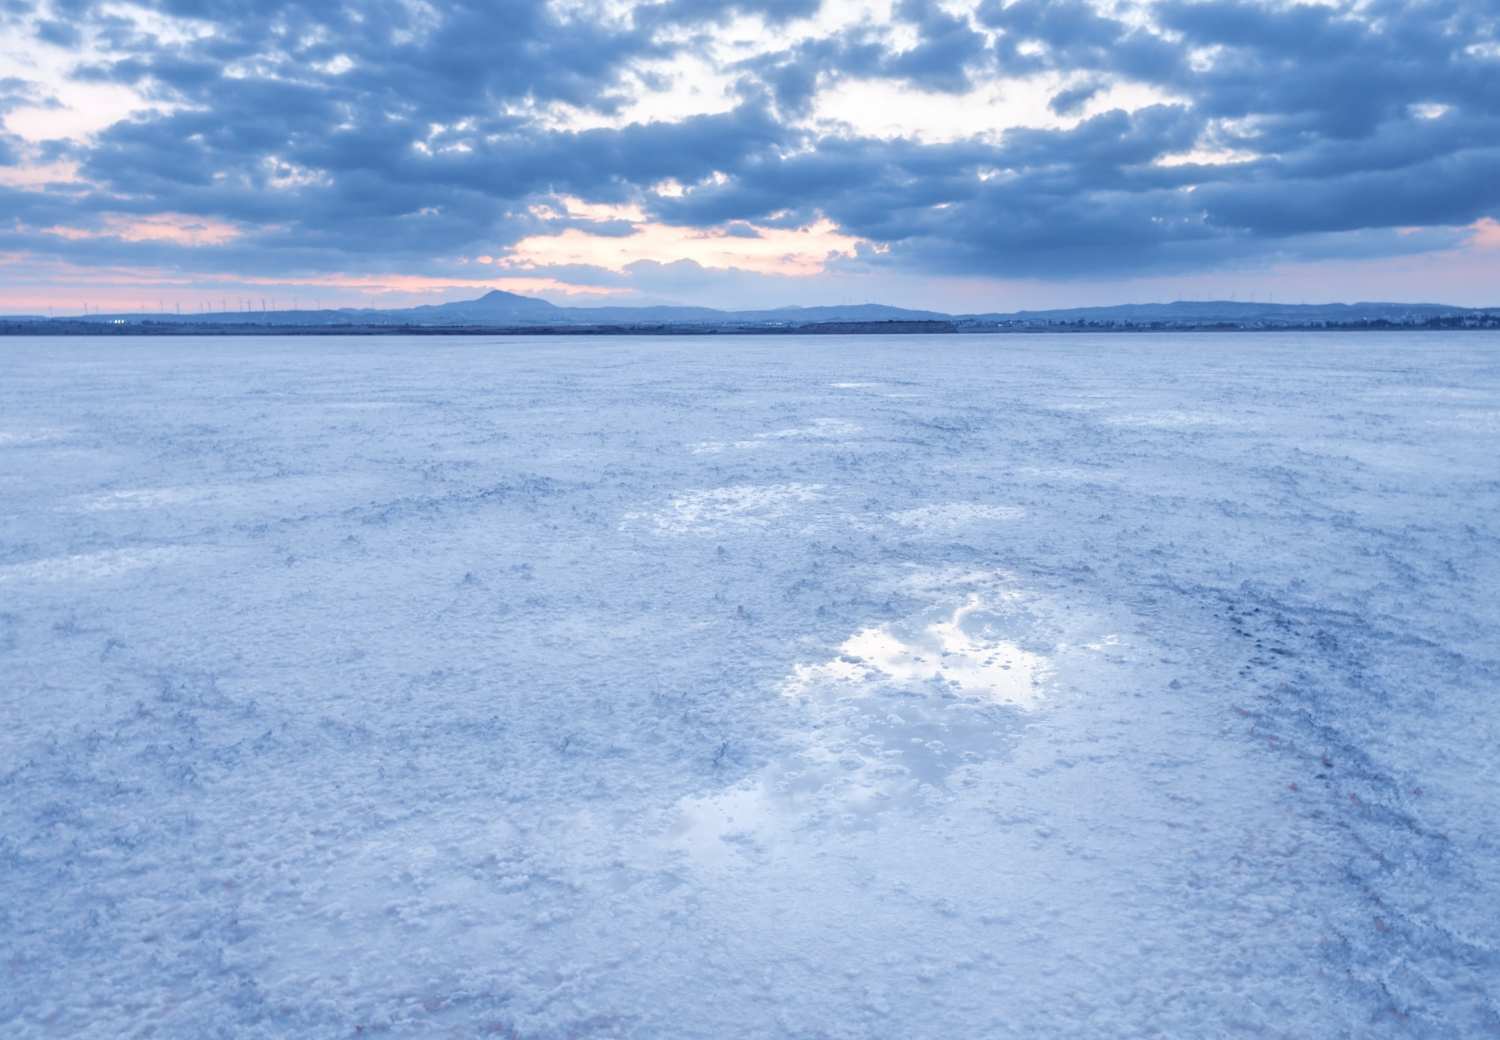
886	723
959	650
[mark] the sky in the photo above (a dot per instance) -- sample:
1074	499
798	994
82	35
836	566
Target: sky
192	154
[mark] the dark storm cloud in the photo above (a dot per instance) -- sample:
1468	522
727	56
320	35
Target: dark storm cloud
333	136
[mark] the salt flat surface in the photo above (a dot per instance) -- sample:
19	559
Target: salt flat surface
807	687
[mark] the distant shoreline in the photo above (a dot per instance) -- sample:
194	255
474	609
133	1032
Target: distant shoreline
117	327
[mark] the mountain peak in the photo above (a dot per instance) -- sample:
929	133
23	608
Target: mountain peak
501	296
493	305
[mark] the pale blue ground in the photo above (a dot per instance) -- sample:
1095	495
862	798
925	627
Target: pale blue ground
748	687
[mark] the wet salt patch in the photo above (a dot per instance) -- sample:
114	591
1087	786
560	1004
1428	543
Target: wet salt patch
949	515
745	505
709	828
86	566
853	780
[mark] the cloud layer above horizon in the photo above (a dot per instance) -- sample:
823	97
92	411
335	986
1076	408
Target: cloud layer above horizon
739	151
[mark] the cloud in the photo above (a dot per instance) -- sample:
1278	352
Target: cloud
1183	135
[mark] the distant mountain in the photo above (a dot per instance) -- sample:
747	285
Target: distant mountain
852	312
494	306
500	309
1232	311
776	316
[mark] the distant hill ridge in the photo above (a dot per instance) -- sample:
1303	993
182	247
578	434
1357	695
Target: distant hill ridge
501	308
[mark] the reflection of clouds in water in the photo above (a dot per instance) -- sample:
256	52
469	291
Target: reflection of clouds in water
714	829
846	782
959	649
887	722
817	430
744	505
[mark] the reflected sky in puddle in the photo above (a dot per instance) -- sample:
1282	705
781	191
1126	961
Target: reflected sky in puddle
849	785
716	829
885	727
961	650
